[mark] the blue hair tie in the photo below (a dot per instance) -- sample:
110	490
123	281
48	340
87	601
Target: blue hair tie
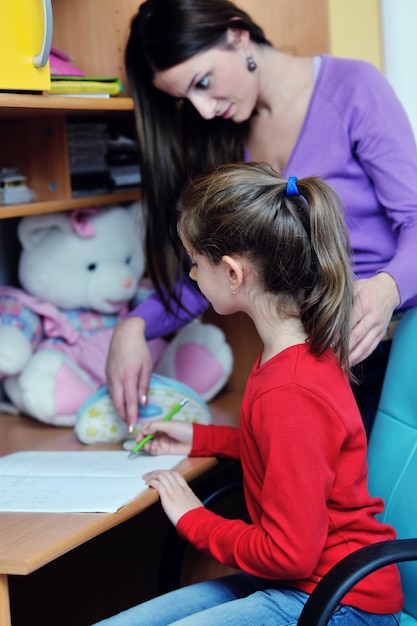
292	189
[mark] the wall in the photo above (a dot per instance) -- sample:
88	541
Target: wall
399	21
383	33
355	29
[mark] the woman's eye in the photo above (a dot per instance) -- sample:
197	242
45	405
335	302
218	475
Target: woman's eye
204	83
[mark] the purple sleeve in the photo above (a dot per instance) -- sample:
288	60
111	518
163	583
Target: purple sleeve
390	160
160	322
357	137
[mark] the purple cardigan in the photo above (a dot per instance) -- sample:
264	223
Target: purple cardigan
356	136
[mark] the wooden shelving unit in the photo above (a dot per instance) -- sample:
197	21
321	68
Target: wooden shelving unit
33	126
34	138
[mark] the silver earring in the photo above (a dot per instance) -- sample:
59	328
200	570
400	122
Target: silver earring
234	291
250	62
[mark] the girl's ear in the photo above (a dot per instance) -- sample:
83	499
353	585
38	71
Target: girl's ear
234	270
238	38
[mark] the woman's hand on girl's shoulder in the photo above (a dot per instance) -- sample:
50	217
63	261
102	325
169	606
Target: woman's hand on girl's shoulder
375	301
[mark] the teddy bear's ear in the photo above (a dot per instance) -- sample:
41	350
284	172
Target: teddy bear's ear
32	229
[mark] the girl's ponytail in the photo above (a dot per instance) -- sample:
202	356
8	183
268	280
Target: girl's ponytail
327	308
293	233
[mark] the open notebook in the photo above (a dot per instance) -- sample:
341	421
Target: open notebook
83	481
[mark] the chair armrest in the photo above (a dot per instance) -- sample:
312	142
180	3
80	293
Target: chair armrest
350	570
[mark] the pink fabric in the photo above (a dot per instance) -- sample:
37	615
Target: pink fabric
55	323
88	351
81	223
187	367
71	391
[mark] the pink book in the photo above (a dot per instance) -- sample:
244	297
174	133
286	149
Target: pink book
60	65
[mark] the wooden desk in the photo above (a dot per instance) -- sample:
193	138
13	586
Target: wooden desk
29	541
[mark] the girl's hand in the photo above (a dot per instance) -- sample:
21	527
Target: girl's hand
176	496
174	437
128	368
375	301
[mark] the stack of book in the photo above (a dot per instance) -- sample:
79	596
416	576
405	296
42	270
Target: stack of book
123	158
100	162
69	80
87	145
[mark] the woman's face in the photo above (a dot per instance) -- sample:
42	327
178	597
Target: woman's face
216	82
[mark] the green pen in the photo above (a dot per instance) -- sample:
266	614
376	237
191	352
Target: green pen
167	417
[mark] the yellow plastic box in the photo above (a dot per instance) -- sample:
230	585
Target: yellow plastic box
25	41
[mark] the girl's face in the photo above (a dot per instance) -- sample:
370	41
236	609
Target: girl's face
213	281
216	82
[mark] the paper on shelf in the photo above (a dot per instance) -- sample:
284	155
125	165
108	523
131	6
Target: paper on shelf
75	481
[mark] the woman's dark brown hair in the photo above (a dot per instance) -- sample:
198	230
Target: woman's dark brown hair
175	143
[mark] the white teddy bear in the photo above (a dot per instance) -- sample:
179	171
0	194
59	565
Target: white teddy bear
79	271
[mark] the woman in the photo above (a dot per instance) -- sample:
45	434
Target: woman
209	88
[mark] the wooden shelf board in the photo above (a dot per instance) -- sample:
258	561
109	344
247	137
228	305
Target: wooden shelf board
19	210
29	104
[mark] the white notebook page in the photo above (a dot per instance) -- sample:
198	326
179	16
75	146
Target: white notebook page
83	481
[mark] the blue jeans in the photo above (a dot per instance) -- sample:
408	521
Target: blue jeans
237	600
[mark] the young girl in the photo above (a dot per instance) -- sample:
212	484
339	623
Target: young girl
277	250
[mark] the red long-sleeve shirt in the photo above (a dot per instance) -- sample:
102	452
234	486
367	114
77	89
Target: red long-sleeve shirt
302	447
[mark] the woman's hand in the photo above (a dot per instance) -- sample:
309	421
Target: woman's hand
375	301
174	437
128	368
176	496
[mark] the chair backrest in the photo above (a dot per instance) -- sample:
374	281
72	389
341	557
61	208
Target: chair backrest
392	453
